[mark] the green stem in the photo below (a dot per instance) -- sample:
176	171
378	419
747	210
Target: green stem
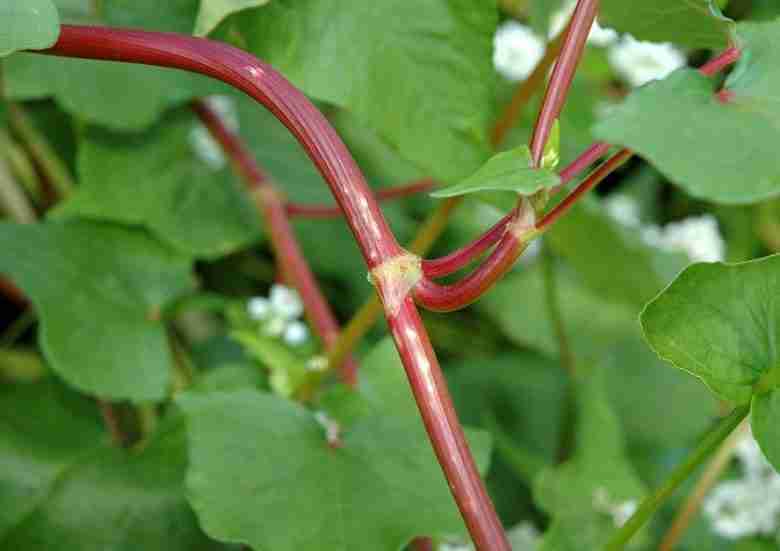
653	502
21	167
54	168
13	200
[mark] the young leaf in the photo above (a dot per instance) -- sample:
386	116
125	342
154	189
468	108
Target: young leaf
508	171
765	422
156	180
212	12
693	23
98	291
698	140
720	323
27	25
589	495
280	467
420	73
65	489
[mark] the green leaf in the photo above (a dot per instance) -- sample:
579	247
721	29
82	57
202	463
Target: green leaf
719	322
280	467
693	23
173	16
287	370
531	325
419	73
581	494
98	291
765	422
508	171
154	179
697	140
212	12
27	25
612	259
92	90
64	489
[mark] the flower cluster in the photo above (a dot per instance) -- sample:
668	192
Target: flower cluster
698	237
517	50
748	506
279	315
204	146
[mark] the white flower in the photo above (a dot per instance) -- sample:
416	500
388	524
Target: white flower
332	428
205	147
296	333
641	62
698	237
317	363
619	511
274	327
286	302
259	308
599	36
516	50
739	508
752	460
623	209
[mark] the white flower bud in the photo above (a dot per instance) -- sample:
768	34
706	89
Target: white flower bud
296	333
258	308
286	302
599	36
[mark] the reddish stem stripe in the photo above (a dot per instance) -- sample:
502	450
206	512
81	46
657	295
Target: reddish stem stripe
295	269
563	74
363	215
715	65
296	210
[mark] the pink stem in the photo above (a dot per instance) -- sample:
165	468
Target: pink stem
297	210
295	269
587	158
717	64
363	215
563	74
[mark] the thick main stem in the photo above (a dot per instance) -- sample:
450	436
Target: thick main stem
288	252
363	215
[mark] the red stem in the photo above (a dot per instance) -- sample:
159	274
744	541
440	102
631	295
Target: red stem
563	73
363	215
717	64
295	210
589	183
295	269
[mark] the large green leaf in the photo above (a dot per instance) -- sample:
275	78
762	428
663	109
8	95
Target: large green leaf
98	291
765	422
721	323
697	140
610	258
154	179
27	25
508	171
62	489
212	12
93	90
274	464
173	16
694	23
584	494
419	73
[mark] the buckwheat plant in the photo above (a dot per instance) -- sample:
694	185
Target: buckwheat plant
208	205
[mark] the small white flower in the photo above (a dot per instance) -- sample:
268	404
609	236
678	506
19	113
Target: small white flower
296	333
641	62
739	508
516	50
286	302
698	237
523	537
623	209
619	511
204	146
752	460
259	308
274	327
599	36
